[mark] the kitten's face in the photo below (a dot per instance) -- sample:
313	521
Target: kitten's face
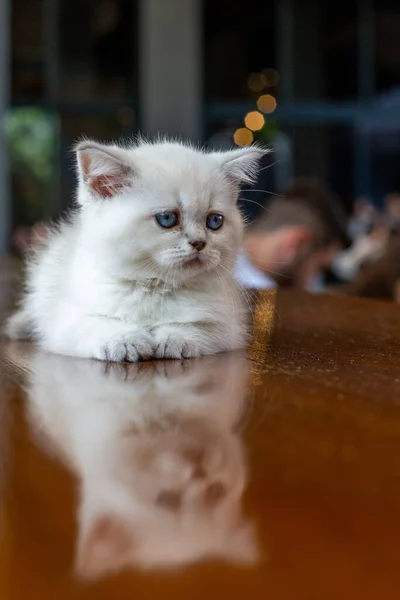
163	211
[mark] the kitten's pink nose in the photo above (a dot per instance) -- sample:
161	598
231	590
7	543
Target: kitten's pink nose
197	244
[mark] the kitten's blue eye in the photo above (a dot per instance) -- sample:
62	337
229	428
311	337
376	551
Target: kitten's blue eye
214	221
167	219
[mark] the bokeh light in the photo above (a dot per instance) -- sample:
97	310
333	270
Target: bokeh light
254	120
271	77
266	103
243	137
257	82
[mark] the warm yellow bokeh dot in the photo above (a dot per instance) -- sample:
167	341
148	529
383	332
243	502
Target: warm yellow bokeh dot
254	120
243	137
257	82
266	103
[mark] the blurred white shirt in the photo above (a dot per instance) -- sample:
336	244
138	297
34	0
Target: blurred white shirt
249	276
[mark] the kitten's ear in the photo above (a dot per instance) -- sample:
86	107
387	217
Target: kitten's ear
242	164
105	547
102	170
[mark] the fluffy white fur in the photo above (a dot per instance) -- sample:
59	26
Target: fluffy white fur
112	284
157	454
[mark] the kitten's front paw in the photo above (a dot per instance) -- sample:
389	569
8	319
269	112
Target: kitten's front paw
176	346
132	349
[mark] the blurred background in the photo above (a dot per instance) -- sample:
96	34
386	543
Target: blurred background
318	83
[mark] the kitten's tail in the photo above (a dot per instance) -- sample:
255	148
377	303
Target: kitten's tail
19	326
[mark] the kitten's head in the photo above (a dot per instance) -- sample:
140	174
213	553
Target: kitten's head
162	210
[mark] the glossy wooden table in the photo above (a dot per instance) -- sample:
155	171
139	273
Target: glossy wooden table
275	475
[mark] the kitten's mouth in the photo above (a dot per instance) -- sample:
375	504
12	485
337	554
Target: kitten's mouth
192	261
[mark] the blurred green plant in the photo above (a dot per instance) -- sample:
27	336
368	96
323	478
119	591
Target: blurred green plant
31	135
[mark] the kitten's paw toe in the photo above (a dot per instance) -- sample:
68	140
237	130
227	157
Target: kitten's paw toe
176	346
140	347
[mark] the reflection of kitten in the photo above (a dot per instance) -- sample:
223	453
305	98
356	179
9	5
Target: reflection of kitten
144	267
161	468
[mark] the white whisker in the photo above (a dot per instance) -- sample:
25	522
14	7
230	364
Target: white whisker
254	202
271	165
263	191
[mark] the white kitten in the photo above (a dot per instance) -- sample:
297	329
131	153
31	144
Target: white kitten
157	454
144	266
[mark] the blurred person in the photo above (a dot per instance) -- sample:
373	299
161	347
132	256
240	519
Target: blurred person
364	251
392	209
381	280
294	240
362	219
